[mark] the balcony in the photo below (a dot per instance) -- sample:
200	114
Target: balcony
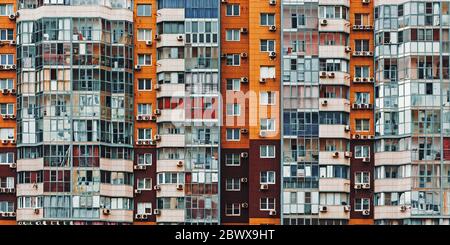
392	212
30	189
118	165
334	185
334	131
392	158
30	164
169	190
170	166
116	190
117	215
170	14
334	104
393	185
171	115
29	214
334	212
170	65
334	25
335	2
329	157
170	215
334	78
334	51
170	90
171	140
170	40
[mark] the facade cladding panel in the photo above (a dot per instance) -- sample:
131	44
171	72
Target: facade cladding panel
288	112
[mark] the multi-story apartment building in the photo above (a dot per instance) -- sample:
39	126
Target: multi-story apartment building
412	112
7	111
295	112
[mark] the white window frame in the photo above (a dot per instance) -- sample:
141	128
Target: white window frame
267	201
141	183
267	147
143	206
145	133
360	149
360	125
234	207
267	98
268	43
233	156
146	32
360	176
265	124
269	175
231	6
234	58
264	17
233	109
235	35
235	84
145	157
144	81
360	206
232	182
233	130
144	56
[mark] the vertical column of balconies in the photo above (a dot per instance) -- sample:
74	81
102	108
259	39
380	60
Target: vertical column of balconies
412	62
75	113
7	109
235	92
146	88
361	115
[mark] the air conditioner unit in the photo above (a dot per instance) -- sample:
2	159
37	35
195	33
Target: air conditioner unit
137	67
272	28
272	2
357	186
13	67
179	187
365	1
138	118
272	54
5	91
149	42
157	137
244	131
13	165
366	159
347	208
348	49
356	136
152	142
272	212
403	208
355	106
244	154
36	210
244	80
244	180
323	208
4	142
137	191
223	1
244	30
244	205
180	37
157	37
369	27
356	79
335	154
347	128
262	134
106	211
323	74
368	53
180	164
12	16
348	154
156	212
366	186
366	212
12	42
324	102
331	74
357	53
264	187
364	137
157	112
153	118
138	142
244	55
5	116
157	187
371	79
370	137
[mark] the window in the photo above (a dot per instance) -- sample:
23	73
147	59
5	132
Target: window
145	59
267	98
362	151
233	184
144	134
144	184
233	35
233	60
144	109
6	34
7	109
7	182
144	208
362	45
234	84
144	159
362	98
232	159
267	124
6	157
144	10
6	84
267	203
144	34
170	178
233	209
362	125
267	151
267	45
6	206
267	19
267	72
298	20
233	134
362	177
233	10
267	177
362	71
233	109
6	133
6	59
362	19
334	171
362	204
6	9
145	84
